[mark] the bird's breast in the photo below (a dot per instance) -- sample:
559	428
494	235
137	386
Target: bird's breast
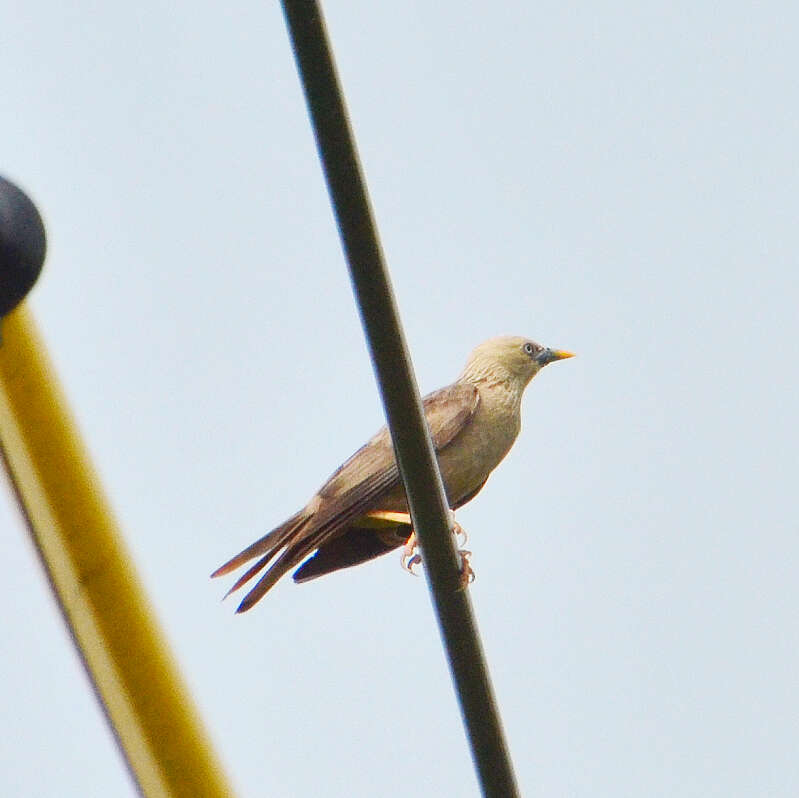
477	450
474	452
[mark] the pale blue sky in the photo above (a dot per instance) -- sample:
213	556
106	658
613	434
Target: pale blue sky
616	180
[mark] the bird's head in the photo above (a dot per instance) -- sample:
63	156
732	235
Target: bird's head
509	359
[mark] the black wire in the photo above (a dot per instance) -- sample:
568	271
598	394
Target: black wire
400	395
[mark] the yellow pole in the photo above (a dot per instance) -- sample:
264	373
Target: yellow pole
149	707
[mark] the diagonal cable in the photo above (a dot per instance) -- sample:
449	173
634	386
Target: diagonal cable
400	395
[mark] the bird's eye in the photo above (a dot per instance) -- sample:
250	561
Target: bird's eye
529	348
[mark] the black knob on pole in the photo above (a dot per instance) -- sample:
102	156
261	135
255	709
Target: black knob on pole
22	245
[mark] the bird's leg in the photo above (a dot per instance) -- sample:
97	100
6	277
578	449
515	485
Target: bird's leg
460	533
467	574
411	557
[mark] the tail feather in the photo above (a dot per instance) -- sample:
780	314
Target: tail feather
291	557
292	542
250	573
268	545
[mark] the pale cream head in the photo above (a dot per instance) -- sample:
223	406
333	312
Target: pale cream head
509	359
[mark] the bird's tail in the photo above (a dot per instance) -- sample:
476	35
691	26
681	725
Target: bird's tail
265	548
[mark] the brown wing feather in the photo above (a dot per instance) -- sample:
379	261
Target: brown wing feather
446	411
335	521
351	491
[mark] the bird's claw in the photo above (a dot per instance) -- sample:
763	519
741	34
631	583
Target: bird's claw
460	534
416	559
410	556
467	574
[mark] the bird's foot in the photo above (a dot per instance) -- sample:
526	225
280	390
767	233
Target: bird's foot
410	557
460	533
467	574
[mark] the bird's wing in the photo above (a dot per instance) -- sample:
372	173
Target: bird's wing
447	412
357	485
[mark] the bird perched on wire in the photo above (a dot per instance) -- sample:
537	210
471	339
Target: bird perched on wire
361	512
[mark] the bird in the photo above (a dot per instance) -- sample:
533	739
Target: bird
361	511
